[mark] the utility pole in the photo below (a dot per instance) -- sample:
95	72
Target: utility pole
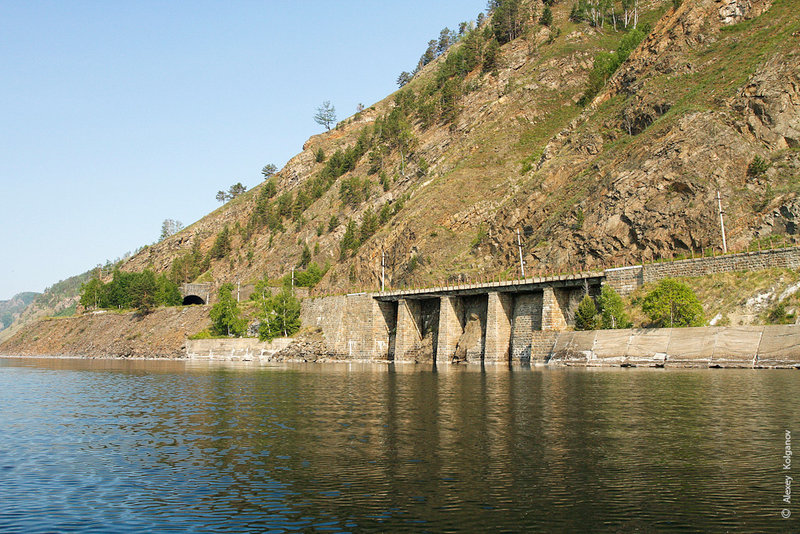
521	261
722	224
238	286
292	279
383	270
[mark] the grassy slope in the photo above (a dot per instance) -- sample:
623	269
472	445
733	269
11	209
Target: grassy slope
738	298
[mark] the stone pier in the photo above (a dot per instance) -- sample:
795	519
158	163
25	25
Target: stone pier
450	327
552	315
500	310
409	329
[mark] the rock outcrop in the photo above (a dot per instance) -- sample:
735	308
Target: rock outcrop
470	345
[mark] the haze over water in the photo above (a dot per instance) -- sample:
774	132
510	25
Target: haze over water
106	445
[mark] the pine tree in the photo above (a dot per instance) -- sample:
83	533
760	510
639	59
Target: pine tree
268	170
586	315
547	17
305	257
236	189
326	115
403	78
222	244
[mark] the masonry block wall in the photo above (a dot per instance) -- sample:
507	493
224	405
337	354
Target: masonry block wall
552	316
568	300
745	261
384	319
409	333
527	319
475	304
429	320
355	326
542	344
624	280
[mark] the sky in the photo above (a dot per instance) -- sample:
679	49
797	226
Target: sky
116	115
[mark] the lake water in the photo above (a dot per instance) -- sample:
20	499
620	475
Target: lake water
103	445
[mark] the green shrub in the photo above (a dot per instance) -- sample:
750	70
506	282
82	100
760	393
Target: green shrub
757	167
479	237
547	17
413	264
778	315
311	276
202	334
605	64
423	167
673	304
333	223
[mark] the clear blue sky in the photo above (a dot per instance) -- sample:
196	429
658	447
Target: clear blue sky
116	115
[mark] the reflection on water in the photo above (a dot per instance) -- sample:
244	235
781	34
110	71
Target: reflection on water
113	445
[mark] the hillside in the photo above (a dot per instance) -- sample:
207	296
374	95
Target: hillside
515	126
461	157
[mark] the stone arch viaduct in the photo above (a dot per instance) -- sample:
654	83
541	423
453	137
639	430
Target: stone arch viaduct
519	320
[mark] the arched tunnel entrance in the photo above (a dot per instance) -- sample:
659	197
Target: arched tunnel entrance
190	300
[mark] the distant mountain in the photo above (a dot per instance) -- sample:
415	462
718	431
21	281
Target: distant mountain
10	309
60	299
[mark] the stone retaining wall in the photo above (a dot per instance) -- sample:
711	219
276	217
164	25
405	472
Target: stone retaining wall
241	349
744	261
354	326
625	280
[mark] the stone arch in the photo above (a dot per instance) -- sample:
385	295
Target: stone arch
190	300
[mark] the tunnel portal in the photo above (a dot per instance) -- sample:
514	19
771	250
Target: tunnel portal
192	300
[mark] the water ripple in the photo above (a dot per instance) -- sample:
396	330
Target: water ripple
112	446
